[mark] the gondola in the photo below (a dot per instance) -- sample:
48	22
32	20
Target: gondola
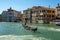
29	28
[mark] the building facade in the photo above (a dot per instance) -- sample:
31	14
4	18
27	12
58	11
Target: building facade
0	18
10	15
21	19
39	14
58	13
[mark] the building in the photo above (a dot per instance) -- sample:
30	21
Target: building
40	14
58	13
20	18
10	15
0	18
58	10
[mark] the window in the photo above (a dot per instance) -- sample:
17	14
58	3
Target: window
10	13
58	10
40	10
43	10
58	14
52	15
48	11
36	21
53	11
41	16
36	11
10	18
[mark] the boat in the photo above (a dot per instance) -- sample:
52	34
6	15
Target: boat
58	23
29	28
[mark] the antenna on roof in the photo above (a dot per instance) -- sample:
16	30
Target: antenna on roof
58	4
49	6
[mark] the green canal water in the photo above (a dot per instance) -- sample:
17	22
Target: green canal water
15	31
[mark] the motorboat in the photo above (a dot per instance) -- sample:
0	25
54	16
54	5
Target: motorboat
58	23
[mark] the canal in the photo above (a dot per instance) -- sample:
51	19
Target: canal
15	31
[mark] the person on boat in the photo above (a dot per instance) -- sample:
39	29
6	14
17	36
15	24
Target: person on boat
34	29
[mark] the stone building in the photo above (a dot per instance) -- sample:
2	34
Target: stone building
58	13
10	15
20	18
40	14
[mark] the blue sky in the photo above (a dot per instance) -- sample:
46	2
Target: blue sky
21	5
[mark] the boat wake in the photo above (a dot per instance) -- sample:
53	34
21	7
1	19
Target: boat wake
24	37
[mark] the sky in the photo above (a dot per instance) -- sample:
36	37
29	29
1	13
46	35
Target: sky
21	5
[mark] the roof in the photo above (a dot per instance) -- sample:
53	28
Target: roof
42	7
13	10
58	7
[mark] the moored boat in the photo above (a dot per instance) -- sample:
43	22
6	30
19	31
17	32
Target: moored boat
58	23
